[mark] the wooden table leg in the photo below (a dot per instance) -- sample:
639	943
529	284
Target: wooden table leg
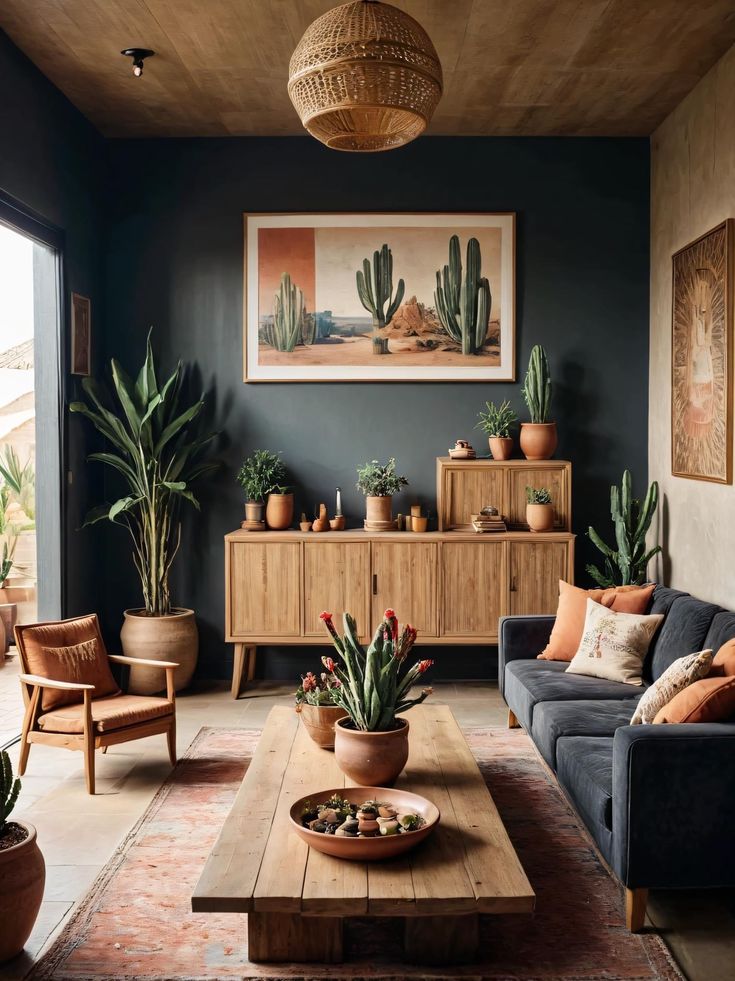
238	666
279	937
442	939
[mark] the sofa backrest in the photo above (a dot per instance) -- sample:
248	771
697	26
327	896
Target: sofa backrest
684	631
721	630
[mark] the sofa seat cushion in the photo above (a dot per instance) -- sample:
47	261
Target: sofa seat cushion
596	717
108	714
585	771
529	682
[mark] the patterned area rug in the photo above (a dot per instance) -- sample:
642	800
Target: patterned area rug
136	922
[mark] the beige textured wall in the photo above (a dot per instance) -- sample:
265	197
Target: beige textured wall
692	190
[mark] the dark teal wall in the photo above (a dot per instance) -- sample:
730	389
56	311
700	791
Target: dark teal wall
174	259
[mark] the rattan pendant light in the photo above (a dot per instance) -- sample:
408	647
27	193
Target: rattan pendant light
365	77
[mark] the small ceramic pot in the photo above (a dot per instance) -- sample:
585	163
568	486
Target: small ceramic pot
279	511
379	508
540	517
22	879
538	440
501	447
319	722
254	510
419	523
371	758
337	523
305	525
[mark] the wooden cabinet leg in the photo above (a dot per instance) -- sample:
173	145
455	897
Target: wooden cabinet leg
513	722
252	654
442	939
238	666
290	937
635	909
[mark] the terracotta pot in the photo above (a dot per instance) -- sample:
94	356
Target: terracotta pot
16	594
170	638
279	511
22	879
4	643
379	508
538	440
371	758
305	525
9	617
540	517
254	510
501	447
319	722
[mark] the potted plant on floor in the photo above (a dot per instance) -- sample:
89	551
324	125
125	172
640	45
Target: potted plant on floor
17	514
22	869
539	509
628	564
371	744
379	482
316	703
158	453
538	437
496	422
261	475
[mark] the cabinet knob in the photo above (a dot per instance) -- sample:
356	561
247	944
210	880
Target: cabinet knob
513	585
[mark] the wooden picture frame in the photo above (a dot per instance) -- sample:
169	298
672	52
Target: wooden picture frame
81	335
341	340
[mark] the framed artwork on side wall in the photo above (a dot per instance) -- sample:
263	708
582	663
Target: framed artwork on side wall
379	297
701	358
81	334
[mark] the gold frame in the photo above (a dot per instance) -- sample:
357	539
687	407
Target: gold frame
81	306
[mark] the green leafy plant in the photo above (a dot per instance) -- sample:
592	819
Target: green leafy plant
538	495
317	691
375	290
158	453
377	479
288	316
627	564
261	474
373	687
463	303
17	501
496	420
537	386
9	790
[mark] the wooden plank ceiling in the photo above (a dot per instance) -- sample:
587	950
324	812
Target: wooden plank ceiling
511	67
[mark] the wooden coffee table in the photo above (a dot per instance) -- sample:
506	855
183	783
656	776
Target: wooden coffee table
296	898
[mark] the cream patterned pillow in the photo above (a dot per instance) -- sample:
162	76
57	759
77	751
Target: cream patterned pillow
678	676
614	645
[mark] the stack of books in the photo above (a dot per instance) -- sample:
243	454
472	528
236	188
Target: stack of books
488	522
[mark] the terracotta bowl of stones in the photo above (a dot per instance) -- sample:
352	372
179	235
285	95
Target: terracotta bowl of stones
376	844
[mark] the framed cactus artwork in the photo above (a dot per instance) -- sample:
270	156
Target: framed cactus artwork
379	297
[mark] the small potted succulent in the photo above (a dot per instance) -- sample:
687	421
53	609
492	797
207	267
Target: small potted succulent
263	475
22	869
315	702
539	509
538	437
496	421
379	482
371	744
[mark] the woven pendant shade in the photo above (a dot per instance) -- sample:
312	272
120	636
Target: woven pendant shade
365	77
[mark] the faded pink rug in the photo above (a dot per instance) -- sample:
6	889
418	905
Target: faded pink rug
136	922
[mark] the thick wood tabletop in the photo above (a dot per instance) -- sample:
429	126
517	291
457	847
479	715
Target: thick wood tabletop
467	866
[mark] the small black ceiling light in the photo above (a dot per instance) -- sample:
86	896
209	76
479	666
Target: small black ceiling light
138	55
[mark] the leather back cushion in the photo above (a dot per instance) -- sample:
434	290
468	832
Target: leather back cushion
683	632
71	650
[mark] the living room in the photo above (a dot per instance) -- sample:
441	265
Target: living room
365	369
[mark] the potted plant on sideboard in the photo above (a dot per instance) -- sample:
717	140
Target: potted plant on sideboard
318	707
371	744
538	437
22	869
496	421
158	454
262	476
379	482
539	509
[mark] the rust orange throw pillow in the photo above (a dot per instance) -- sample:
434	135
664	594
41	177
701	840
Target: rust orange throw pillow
567	631
723	665
708	700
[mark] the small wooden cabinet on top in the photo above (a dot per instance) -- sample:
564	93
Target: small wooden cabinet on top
452	584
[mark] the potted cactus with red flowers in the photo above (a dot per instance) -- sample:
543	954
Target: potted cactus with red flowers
317	705
371	744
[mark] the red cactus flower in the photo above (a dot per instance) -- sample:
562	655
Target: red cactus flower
424	665
309	682
325	616
328	664
390	615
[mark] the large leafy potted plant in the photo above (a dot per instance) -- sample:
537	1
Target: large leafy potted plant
379	482
316	703
538	437
22	869
157	452
628	563
496	421
371	744
263	476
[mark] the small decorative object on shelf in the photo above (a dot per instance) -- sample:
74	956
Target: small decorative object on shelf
337	523
538	437
317	707
539	509
419	521
321	522
379	482
462	450
488	519
496	422
371	746
262	473
632	519
304	524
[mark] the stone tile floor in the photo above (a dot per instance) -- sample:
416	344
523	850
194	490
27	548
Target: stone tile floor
78	833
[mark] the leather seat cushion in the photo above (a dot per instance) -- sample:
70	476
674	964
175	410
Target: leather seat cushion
108	714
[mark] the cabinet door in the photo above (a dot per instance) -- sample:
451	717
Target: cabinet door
554	479
467	489
404	579
265	583
336	578
473	589
535	571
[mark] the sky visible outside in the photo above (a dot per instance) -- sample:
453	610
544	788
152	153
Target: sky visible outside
16	288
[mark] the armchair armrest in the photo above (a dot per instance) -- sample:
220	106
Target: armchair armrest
144	662
40	682
673	805
521	638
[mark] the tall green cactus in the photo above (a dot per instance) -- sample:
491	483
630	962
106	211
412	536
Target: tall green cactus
375	289
288	316
9	789
628	563
463	305
309	329
537	386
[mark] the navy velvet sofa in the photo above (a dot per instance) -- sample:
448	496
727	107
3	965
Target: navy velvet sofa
659	800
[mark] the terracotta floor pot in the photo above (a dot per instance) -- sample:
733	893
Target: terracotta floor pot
371	758
538	440
279	511
540	517
379	508
4	642
171	638
501	447
9	617
319	722
22	880
254	510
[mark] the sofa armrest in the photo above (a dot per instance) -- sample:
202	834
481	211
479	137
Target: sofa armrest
521	638
673	805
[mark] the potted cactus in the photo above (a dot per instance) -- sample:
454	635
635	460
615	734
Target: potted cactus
371	744
628	564
22	869
379	482
463	303
539	509
496	422
375	289
316	704
262	474
538	437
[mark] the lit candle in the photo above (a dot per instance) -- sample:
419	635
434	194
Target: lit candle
338	511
